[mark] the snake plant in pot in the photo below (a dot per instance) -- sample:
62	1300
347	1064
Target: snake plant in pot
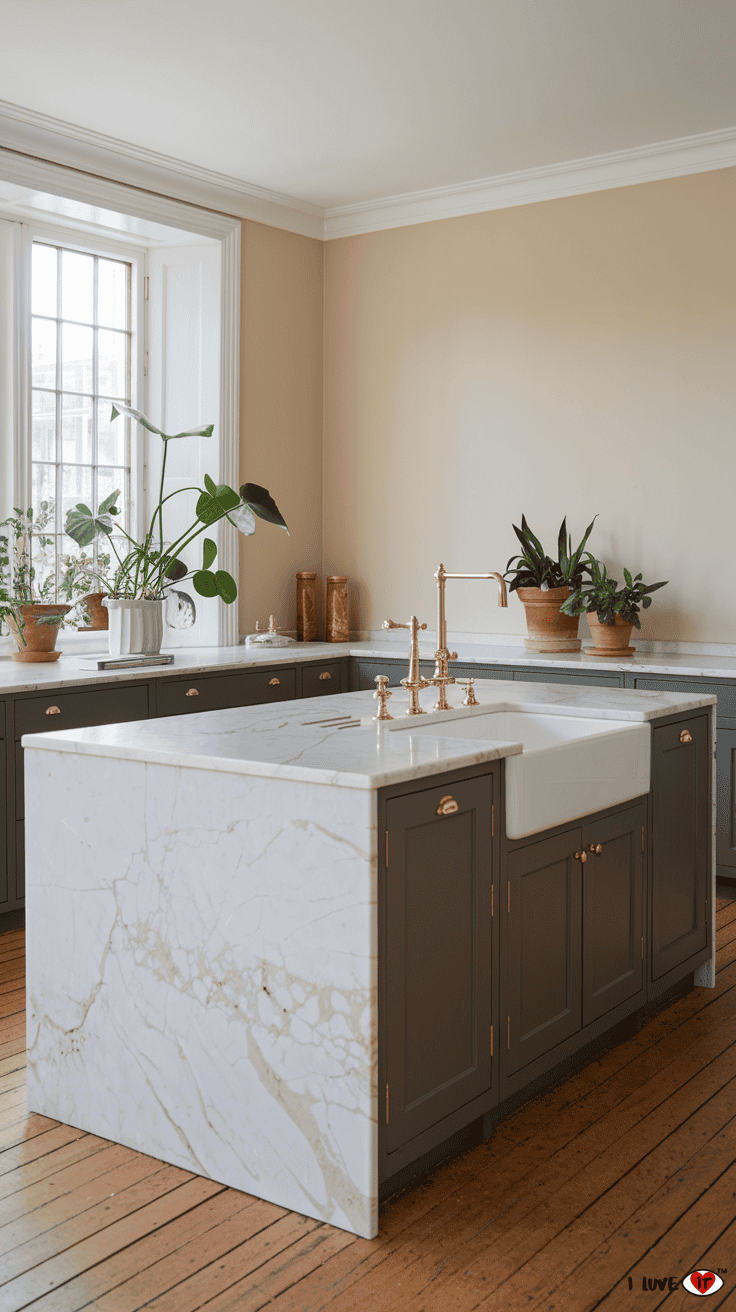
543	584
142	572
612	611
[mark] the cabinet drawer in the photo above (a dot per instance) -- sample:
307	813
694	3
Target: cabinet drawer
80	710
318	680
725	692
183	696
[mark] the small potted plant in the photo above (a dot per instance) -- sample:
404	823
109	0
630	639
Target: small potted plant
29	603
543	584
142	572
612	611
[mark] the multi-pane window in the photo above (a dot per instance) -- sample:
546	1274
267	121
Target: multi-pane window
81	363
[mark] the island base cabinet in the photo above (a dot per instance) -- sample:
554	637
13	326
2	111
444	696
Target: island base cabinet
437	959
681	769
572	939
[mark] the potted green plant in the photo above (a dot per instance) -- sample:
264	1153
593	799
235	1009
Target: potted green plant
543	584
612	611
30	604
143	571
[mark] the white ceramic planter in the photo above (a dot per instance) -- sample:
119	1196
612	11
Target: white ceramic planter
136	627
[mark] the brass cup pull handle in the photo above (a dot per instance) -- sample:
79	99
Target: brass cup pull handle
582	857
447	806
272	682
596	848
686	736
325	674
53	710
192	692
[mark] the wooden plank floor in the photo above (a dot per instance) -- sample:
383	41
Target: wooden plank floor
623	1174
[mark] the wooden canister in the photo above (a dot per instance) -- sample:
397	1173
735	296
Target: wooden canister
337	628
306	605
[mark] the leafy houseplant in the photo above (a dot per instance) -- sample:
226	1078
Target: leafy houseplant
543	584
28	596
144	570
612	611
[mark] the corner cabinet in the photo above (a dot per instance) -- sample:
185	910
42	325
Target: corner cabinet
436	957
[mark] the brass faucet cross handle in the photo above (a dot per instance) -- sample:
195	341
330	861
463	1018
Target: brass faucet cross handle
382	695
414	682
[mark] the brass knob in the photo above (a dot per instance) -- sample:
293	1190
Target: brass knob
325	674
272	682
582	857
686	736
447	806
597	848
192	692
53	710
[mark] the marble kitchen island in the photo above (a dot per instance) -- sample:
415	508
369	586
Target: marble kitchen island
202	930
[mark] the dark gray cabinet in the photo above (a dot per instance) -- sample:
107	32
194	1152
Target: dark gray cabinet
680	800
726	802
553	676
572	934
4	854
436	965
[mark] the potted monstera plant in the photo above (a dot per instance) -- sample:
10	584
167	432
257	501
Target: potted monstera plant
612	611
141	572
543	584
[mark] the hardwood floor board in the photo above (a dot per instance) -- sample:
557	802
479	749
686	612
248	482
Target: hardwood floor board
547	1248
125	1169
11	983
49	1163
282	1272
137	1273
89	1226
16	1062
15	969
229	1233
43	1144
11	1081
13	1003
700	1240
200	1289
23	1130
615	1255
90	1239
14	1039
594	1160
13	1106
70	1183
334	1276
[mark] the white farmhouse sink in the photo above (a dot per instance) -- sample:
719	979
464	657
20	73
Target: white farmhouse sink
569	767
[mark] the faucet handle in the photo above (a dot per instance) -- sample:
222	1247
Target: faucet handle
391	624
382	695
470	698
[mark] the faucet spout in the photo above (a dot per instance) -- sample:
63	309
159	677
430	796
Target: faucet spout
442	657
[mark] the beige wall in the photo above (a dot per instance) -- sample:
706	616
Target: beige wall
569	357
280	415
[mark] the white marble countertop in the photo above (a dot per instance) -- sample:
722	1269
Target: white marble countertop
67	672
319	741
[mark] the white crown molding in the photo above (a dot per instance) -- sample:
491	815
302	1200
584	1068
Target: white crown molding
621	168
34	145
43	139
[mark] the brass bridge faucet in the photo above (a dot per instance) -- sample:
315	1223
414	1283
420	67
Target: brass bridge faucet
415	681
442	656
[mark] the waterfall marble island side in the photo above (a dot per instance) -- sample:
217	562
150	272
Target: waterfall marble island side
203	929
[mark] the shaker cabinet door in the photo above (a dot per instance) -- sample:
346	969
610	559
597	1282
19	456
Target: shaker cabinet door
681	764
613	910
437	955
541	915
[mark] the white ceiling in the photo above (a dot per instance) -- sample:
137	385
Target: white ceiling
341	102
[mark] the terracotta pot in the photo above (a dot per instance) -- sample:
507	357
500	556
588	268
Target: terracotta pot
610	639
548	628
37	641
98	618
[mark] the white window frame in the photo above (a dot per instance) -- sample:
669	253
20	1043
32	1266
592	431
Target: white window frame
70	240
75	184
